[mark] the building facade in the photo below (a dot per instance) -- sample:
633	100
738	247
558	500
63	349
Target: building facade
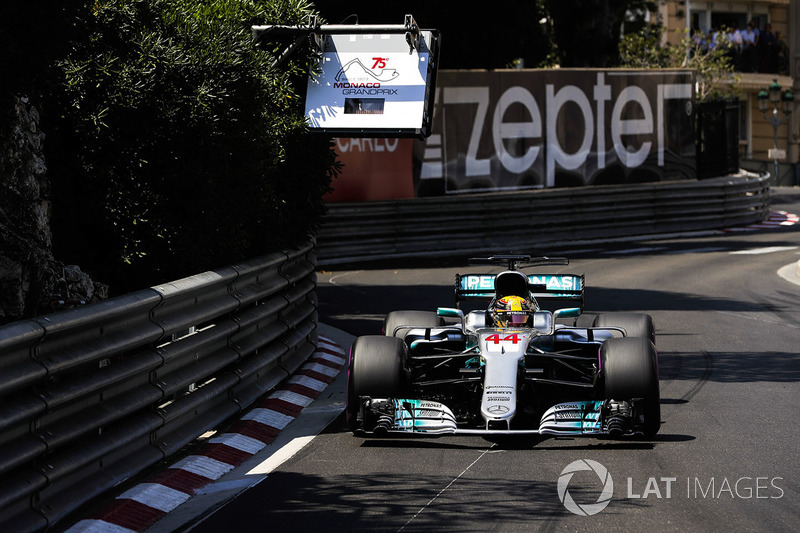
774	58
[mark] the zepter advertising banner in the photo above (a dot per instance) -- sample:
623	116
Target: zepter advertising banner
372	84
512	129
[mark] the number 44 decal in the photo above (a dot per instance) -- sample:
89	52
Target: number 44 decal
513	338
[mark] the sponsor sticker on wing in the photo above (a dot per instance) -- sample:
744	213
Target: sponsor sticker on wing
572	418
483	284
422	416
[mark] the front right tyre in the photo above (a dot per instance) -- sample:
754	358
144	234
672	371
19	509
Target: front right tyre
377	368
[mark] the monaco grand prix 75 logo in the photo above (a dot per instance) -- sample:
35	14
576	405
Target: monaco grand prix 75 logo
355	73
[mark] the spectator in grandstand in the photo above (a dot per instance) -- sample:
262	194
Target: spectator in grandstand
782	54
749	61
735	38
766	45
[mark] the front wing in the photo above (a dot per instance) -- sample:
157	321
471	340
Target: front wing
425	417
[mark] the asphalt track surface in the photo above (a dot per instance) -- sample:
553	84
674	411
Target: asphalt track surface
725	458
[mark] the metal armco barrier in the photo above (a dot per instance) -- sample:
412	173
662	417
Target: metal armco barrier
536	219
94	395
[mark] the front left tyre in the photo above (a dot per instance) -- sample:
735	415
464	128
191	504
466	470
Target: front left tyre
634	324
629	371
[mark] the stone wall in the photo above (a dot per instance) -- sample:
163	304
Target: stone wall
32	281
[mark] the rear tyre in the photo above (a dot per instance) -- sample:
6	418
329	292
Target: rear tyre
634	324
629	370
416	319
377	368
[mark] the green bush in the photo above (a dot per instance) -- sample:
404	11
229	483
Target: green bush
178	147
716	77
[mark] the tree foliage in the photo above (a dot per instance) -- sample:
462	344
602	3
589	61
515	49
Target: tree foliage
473	37
587	32
175	146
181	147
715	70
539	33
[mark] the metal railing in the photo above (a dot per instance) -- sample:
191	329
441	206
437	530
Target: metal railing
92	396
537	219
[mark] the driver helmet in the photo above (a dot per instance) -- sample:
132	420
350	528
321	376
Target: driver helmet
511	311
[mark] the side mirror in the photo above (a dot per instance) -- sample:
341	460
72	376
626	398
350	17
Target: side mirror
570	312
449	312
543	322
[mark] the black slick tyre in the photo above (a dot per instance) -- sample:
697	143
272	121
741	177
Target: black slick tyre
377	368
634	324
629	371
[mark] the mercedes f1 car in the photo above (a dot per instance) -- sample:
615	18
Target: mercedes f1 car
509	367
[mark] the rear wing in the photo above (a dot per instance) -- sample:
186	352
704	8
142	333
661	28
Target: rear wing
564	289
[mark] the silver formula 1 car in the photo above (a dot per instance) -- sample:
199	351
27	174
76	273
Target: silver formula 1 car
508	367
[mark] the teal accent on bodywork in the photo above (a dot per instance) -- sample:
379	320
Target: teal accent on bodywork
474	362
422	415
449	312
570	312
578	417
